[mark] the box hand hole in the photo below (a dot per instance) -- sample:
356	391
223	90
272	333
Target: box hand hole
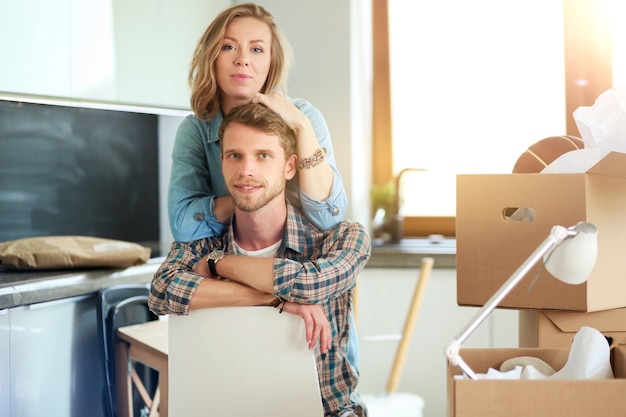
519	214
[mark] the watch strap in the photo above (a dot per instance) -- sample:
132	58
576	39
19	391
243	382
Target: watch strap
275	302
212	268
213	258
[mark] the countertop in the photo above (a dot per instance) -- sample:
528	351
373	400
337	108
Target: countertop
19	288
410	251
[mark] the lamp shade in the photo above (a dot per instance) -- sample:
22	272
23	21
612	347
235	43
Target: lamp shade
573	260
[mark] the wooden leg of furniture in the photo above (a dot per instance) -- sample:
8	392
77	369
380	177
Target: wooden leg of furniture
123	382
164	389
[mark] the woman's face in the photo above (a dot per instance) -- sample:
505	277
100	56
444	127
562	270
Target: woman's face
244	61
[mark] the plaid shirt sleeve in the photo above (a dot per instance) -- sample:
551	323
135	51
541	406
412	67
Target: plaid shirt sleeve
174	282
324	266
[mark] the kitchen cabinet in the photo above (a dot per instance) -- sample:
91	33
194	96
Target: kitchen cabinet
35	40
384	296
113	51
50	358
55	359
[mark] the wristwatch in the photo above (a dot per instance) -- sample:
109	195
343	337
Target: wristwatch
213	258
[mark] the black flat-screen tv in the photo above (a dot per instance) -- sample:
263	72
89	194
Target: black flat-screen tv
78	171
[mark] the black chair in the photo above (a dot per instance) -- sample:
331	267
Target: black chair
123	305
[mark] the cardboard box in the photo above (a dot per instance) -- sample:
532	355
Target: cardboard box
534	398
491	246
557	328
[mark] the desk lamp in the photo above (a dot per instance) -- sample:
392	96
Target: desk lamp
569	254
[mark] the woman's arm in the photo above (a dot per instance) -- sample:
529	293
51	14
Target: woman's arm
321	194
198	203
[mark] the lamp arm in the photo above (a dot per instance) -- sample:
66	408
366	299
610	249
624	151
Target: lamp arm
556	236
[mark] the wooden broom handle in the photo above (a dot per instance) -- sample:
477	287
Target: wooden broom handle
409	325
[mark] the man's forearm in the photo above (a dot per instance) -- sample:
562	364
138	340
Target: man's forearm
253	272
218	293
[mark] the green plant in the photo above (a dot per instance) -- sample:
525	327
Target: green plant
383	196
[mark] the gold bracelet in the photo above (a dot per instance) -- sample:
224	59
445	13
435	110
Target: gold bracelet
313	160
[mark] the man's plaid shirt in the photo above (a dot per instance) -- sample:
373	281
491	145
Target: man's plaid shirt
311	267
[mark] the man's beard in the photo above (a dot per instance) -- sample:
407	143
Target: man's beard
250	203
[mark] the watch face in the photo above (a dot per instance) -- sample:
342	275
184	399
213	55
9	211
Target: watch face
216	254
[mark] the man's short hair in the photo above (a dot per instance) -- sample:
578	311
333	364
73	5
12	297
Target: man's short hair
262	118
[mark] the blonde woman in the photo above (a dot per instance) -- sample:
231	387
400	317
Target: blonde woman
243	57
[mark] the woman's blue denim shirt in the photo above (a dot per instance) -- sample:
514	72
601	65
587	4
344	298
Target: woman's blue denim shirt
196	179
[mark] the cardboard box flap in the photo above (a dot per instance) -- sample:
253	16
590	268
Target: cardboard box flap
612	165
603	321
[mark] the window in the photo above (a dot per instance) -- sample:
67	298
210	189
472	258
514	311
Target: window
471	84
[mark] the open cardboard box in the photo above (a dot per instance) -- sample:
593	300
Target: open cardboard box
541	328
534	398
491	245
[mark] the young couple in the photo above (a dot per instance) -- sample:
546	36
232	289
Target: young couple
256	201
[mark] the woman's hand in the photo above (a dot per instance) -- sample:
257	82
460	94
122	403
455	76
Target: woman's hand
316	182
277	102
317	325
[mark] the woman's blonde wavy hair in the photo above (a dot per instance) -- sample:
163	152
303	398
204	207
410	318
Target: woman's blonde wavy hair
205	100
